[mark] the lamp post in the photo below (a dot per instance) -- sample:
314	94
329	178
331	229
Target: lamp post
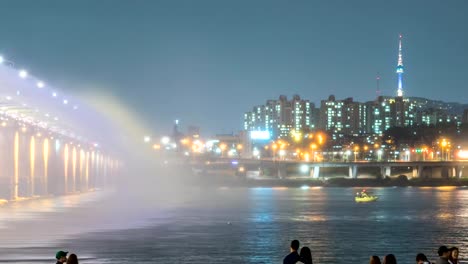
313	146
274	147
239	148
222	147
356	151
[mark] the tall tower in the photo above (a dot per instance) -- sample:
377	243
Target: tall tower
399	70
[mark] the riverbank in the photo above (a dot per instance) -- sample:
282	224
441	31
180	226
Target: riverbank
339	182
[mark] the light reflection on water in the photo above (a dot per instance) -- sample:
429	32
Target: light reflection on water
231	225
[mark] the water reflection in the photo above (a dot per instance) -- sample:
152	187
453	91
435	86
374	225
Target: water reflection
255	225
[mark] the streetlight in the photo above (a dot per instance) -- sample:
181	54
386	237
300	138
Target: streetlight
223	147
445	144
313	146
274	147
356	151
282	153
239	149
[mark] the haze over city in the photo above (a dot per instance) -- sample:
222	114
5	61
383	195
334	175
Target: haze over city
207	62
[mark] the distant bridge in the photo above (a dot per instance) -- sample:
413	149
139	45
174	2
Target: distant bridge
281	168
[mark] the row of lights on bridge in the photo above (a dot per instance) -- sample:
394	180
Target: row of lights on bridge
23	74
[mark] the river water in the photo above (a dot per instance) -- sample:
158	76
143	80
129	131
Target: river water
236	225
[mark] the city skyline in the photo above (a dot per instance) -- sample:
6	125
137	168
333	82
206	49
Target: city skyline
221	59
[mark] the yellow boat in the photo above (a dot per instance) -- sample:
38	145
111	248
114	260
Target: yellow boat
366	199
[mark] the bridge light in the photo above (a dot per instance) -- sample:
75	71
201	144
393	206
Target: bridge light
1	60
40	84
23	74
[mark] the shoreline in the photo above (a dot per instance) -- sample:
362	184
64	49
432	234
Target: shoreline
337	182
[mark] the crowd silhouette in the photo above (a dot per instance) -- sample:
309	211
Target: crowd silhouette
61	257
446	256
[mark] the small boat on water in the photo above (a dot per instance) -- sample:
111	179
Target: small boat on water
366	199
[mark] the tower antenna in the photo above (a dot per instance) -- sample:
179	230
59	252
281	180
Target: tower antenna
377	79
399	69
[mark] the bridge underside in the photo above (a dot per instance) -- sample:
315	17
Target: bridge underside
37	162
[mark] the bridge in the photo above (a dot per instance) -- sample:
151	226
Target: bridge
49	142
285	168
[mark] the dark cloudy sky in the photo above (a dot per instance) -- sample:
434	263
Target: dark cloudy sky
207	62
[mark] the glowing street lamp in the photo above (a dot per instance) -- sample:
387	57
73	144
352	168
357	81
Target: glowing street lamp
40	84
282	153
274	147
356	151
444	144
313	146
321	139
222	147
146	139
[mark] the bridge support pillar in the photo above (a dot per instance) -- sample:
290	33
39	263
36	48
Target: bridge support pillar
458	172
315	172
420	171
388	171
281	171
415	172
7	172
353	171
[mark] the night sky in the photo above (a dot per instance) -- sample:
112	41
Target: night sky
207	62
